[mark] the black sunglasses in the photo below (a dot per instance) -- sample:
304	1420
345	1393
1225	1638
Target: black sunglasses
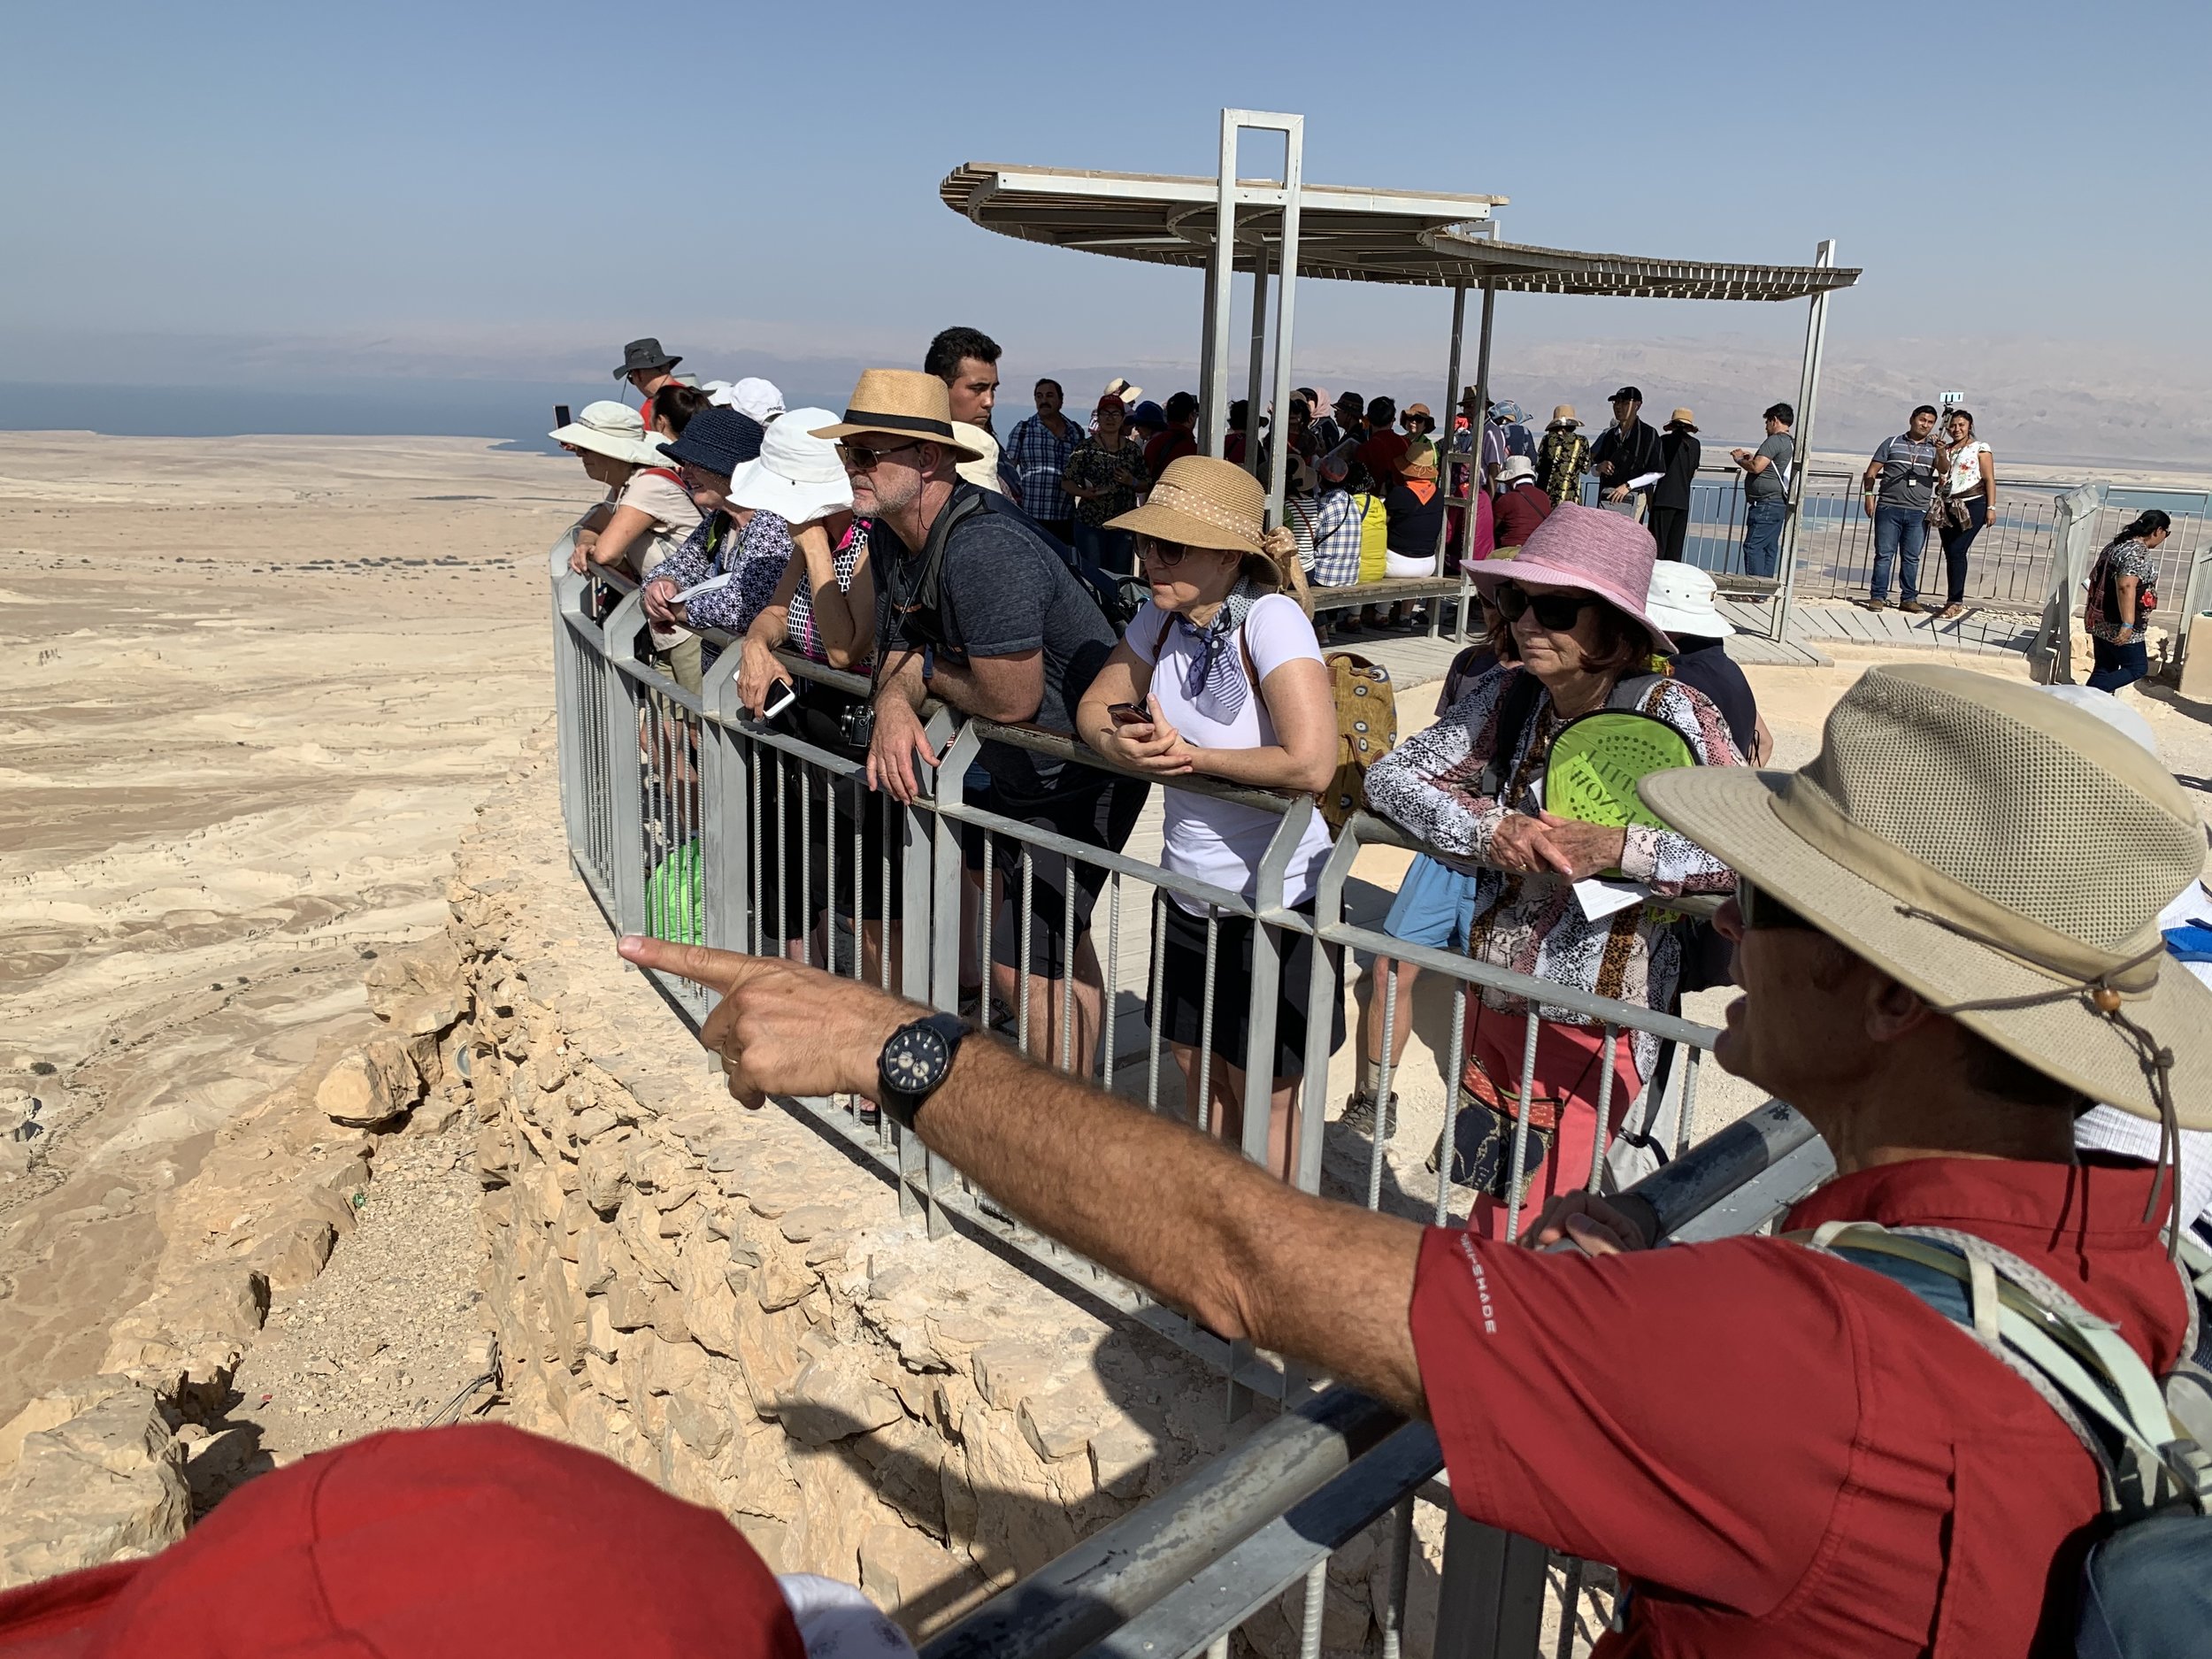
1555	611
859	457
1762	910
1166	555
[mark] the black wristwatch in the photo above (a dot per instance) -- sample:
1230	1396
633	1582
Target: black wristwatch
917	1059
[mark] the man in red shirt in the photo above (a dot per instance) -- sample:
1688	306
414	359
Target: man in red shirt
1783	1452
1177	440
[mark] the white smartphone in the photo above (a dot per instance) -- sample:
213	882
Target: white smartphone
780	701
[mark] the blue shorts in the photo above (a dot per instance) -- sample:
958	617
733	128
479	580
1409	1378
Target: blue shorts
1435	907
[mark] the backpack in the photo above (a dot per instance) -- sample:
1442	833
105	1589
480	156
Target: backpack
1366	721
2145	1586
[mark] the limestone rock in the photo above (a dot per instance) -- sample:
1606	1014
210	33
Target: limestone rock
605	1173
294	1254
833	1398
106	1485
57	1405
1008	1370
900	1568
370	1085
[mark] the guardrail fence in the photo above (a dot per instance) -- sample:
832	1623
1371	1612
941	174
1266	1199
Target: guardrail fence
690	822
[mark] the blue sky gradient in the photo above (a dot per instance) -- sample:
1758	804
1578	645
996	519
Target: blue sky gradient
245	192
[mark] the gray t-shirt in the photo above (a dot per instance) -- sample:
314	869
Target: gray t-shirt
1767	485
1004	589
1907	467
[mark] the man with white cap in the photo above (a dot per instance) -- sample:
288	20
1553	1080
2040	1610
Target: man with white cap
753	398
1784	1452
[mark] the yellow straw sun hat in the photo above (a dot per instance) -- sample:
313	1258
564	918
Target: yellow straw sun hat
900	404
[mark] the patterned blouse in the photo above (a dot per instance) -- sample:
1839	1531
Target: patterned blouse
2122	558
1561	461
1092	465
1533	923
799	629
755	560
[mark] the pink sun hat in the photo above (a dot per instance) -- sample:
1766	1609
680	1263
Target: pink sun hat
1600	553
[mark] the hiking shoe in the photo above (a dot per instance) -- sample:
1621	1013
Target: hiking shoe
1873	605
1359	1114
1949	612
1911	607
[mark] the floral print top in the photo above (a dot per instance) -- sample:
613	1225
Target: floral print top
754	558
1533	923
1092	465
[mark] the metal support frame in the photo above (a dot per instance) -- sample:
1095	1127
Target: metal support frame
1444	450
1808	399
1213	354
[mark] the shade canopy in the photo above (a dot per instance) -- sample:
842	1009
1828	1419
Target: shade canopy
1345	233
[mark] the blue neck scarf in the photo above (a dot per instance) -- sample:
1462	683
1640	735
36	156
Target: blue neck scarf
1215	678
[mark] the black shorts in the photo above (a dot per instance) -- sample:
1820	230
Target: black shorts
1179	1014
1098	817
808	823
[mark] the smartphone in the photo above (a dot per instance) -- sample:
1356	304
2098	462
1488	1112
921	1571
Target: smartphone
561	417
780	702
1128	714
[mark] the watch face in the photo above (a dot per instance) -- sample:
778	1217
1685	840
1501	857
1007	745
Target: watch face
915	1061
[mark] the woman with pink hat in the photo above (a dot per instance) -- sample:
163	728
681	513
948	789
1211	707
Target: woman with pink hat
1569	624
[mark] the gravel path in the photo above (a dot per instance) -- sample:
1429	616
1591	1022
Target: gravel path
382	1340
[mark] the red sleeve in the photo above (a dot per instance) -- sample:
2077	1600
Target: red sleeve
1684	1414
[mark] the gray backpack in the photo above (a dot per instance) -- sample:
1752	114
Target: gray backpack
2146	1588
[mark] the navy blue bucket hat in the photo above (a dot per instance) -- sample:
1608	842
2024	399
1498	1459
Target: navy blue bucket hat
718	441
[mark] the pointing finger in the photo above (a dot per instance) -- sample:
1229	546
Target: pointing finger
719	971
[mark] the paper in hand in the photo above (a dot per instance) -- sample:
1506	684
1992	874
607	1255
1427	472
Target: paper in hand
706	587
1599	898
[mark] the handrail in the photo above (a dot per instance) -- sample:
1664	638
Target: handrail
1136	1562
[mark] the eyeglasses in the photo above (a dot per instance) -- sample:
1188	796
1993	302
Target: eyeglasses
1555	611
1762	910
1166	555
858	457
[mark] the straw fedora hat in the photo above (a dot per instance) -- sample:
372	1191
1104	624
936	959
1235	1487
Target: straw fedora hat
1200	501
1995	850
608	428
901	403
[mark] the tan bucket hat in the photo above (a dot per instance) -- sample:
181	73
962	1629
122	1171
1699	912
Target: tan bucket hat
1984	844
901	403
1685	418
1564	415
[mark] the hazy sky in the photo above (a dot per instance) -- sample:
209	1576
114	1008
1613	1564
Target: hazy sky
234	190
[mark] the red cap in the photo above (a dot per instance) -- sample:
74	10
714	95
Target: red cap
459	1541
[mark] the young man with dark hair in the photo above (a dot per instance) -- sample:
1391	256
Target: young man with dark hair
1035	460
966	360
978	607
1783	1450
1766	484
1900	483
1382	450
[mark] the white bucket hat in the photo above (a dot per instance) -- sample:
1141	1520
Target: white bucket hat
796	476
612	429
1516	467
1680	600
752	396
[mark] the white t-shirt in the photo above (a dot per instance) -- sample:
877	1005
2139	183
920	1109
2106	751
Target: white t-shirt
674	515
1966	468
1215	840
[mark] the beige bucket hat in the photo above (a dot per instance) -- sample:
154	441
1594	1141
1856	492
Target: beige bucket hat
900	404
1996	850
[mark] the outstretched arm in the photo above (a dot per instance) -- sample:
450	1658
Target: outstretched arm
1199	1227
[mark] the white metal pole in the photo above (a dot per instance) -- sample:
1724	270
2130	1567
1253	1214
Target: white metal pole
1444	425
1254	381
1481	423
1807	397
1214	394
1286	291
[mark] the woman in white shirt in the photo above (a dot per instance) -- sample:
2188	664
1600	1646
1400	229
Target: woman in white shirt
644	519
1971	477
1220	676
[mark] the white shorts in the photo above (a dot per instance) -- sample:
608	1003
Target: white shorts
1408	565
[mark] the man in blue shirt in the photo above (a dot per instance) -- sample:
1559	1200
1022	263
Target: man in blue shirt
1900	483
1035	459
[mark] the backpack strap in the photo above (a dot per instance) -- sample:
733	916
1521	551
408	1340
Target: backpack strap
2078	1363
1628	692
1517	707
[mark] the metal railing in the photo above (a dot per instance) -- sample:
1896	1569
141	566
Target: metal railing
689	821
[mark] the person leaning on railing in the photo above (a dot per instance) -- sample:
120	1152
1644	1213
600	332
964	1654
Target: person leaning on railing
1569	624
646	517
823	610
1783	1453
748	549
1220	676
